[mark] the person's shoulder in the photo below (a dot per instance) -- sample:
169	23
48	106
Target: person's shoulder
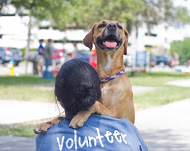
103	117
109	120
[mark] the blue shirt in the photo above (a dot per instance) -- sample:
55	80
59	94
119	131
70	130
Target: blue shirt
99	133
40	47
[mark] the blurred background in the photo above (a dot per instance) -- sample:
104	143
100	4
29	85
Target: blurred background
157	63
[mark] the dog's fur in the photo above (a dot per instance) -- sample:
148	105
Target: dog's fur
117	96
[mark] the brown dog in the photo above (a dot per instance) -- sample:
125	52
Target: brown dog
110	40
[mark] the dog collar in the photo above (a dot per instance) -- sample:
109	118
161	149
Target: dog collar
112	77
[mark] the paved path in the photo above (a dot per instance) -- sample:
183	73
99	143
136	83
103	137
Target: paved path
180	83
164	128
14	112
167	127
9	143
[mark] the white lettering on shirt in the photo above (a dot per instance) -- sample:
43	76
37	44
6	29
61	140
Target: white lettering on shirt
90	140
116	134
99	137
60	145
79	142
75	139
67	143
123	137
84	142
107	135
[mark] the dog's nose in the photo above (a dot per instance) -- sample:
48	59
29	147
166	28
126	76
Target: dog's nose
111	26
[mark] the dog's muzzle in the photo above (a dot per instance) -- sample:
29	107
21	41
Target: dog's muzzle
110	39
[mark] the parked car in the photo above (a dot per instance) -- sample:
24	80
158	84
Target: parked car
163	60
10	53
57	53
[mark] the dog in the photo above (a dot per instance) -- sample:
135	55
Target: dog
110	40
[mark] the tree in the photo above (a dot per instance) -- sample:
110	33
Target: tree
34	8
3	3
182	48
84	13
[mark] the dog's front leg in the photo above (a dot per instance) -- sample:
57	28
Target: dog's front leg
81	117
42	128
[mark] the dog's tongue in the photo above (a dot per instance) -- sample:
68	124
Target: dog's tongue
110	44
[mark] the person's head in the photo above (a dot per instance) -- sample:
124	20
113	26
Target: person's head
75	44
50	41
41	41
77	86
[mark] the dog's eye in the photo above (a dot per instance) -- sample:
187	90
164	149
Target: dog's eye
119	27
102	26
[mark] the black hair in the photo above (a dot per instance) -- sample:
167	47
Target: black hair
77	86
50	40
41	40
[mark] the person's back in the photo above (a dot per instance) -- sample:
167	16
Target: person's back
47	51
98	133
77	88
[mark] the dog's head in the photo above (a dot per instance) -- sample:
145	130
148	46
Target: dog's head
108	36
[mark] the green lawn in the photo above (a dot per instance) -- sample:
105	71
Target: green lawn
20	89
18	130
163	94
23	79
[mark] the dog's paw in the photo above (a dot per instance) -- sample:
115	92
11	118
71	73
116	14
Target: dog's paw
79	119
43	128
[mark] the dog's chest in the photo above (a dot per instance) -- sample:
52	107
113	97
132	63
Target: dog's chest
108	63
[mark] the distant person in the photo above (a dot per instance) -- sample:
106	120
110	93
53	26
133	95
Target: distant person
40	58
75	49
188	63
70	54
77	88
175	59
47	53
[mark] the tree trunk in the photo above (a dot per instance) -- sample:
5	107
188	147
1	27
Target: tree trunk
28	42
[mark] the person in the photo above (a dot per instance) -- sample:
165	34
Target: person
40	58
75	49
47	53
77	87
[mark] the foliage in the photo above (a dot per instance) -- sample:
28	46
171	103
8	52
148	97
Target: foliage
83	13
182	48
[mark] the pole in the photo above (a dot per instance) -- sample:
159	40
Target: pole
28	42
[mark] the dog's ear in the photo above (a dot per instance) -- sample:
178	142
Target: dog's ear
126	41
88	39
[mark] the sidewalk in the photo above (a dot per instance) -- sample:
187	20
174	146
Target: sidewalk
15	112
164	128
167	127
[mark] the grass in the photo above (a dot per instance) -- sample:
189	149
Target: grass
22	79
18	130
162	95
20	89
